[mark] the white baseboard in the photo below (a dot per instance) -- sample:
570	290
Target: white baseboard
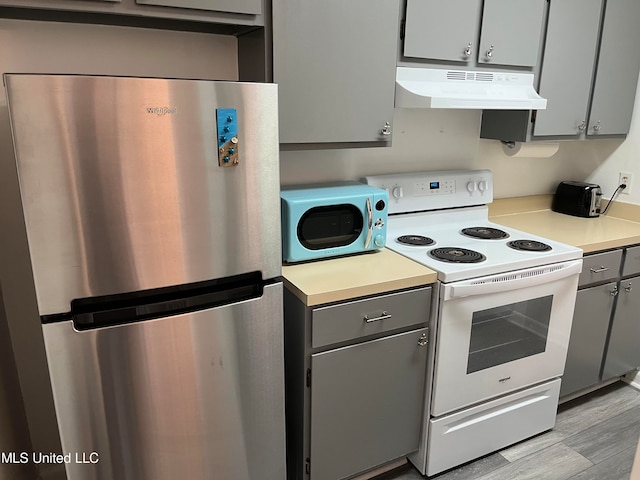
632	380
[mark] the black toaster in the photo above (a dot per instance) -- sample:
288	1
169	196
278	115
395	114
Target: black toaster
579	199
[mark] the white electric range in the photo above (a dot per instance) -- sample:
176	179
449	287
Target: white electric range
503	318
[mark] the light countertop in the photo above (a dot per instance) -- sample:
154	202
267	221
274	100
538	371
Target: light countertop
344	278
590	234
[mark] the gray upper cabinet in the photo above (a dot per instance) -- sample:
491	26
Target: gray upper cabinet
618	66
511	31
442	30
225	12
335	65
493	32
589	75
569	60
236	6
569	69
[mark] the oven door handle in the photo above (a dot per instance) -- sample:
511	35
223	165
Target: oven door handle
512	280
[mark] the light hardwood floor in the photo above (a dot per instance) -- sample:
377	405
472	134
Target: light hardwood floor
595	438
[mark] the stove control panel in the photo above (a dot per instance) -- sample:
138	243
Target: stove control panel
422	191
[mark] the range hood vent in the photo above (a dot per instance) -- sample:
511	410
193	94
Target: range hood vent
440	88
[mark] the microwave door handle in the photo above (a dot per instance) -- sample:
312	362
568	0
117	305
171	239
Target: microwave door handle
367	241
474	287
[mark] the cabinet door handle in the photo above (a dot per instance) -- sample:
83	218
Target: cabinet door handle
386	130
384	316
423	340
614	292
628	288
583	126
467	51
599	270
490	52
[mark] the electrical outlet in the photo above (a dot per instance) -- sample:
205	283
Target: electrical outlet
627	179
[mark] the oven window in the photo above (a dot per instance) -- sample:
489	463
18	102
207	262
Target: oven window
509	332
330	226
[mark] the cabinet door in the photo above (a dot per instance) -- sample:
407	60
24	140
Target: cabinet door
567	69
618	65
335	63
588	336
510	32
234	6
366	404
442	30
623	349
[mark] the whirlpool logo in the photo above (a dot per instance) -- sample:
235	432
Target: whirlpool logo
160	111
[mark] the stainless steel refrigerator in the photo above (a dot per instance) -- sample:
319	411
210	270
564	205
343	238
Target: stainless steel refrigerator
152	216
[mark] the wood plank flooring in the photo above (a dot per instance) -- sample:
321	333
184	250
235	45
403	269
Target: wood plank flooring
595	438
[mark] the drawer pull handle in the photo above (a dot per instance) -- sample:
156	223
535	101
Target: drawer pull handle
423	340
384	316
599	270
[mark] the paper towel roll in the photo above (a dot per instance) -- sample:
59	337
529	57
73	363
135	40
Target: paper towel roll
531	150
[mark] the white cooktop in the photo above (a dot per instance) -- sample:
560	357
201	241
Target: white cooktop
439	205
445	228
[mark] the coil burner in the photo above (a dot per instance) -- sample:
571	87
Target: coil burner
456	255
415	240
485	233
529	245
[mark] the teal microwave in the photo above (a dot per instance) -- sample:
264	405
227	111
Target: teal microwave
329	220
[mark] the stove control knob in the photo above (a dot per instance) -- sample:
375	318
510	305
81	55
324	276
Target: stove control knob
482	185
379	241
397	192
472	186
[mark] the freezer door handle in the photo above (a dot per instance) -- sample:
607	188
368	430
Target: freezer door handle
137	306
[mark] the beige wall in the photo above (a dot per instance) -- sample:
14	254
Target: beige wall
442	139
448	139
39	47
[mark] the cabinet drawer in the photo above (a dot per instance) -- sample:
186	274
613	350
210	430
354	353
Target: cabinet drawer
600	267
347	321
631	261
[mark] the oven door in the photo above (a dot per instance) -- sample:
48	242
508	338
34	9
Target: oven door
501	333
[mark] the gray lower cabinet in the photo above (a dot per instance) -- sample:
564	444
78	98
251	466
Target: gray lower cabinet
356	380
335	64
491	32
605	335
623	350
588	338
366	402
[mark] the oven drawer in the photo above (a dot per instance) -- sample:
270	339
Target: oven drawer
600	267
360	318
471	433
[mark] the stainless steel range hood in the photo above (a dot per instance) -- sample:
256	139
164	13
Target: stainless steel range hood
465	89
